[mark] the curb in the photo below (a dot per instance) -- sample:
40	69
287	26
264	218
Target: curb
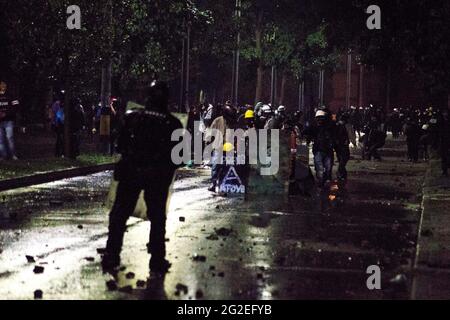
28	181
432	261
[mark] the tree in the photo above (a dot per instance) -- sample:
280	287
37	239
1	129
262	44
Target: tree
413	37
140	38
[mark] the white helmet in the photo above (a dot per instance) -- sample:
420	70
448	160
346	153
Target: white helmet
281	109
266	109
321	113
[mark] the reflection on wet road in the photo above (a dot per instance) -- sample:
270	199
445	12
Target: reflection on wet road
267	247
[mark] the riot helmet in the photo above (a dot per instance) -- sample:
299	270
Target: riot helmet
321	117
157	96
229	113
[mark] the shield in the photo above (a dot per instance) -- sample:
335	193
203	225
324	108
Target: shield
140	211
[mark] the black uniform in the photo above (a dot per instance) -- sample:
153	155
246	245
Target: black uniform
146	146
78	122
356	121
395	125
342	149
412	132
374	139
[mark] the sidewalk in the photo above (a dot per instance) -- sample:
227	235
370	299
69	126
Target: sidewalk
37	163
432	266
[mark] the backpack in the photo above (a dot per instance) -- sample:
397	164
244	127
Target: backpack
59	117
324	141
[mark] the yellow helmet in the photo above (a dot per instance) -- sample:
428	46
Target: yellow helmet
228	147
249	114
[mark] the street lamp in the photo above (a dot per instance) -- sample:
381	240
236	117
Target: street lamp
321	86
301	95
236	62
185	59
273	85
349	79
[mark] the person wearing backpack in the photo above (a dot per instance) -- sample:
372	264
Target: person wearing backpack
58	127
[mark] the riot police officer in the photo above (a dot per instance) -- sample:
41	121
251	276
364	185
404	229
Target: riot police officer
342	146
412	132
145	144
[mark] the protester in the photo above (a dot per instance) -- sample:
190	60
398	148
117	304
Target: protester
395	124
207	116
58	127
356	120
425	142
8	110
264	117
374	138
114	128
96	118
227	121
322	134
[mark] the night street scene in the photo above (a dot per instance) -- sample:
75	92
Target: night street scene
211	150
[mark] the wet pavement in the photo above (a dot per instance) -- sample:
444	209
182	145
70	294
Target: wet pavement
220	248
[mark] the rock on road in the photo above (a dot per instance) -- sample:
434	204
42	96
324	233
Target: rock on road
266	247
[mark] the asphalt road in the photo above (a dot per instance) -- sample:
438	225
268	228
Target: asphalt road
224	248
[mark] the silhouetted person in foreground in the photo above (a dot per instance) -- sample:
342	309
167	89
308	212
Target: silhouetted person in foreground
145	145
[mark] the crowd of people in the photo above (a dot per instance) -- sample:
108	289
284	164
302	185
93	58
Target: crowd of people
332	134
141	168
94	120
425	130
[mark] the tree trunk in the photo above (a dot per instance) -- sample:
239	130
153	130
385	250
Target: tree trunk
68	150
282	88
361	85
105	121
260	70
106	83
388	87
107	61
259	82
